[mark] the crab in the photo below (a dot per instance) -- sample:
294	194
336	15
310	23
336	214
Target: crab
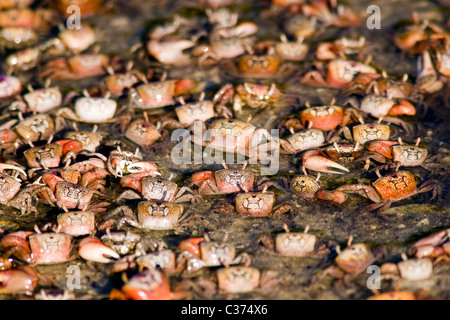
331	13
49	155
227	39
288	50
151	187
39	248
40	100
69	189
416	269
294	244
149	254
13	38
37	19
74	40
120	241
77	67
147	285
412	35
260	66
151	215
259	204
142	132
37	127
87	7
309	187
254	95
344	152
351	261
385	108
91	140
338	73
170	51
235	136
22	60
393	187
10	86
224	181
200	110
157	94
244	279
397	153
12	193
382	85
300	26
198	253
90	109
19	280
436	245
122	162
339	48
76	223
118	83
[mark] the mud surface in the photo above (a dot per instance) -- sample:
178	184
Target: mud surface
121	24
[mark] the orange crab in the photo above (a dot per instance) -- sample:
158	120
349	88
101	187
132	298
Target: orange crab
392	187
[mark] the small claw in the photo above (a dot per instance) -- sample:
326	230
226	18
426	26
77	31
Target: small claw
316	161
92	249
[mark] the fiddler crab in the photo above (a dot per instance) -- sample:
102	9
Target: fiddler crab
351	261
337	73
39	100
259	204
156	94
90	109
149	254
294	244
396	153
228	38
198	253
331	13
151	215
436	246
224	181
244	279
382	85
415	269
254	95
52	248
77	67
147	285
309	187
19	280
285	49
393	187
10	86
235	136
339	48
260	66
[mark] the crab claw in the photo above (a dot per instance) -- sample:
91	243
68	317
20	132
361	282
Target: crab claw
317	161
5	166
92	249
334	196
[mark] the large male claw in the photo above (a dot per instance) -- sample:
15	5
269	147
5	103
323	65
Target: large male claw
317	161
92	249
